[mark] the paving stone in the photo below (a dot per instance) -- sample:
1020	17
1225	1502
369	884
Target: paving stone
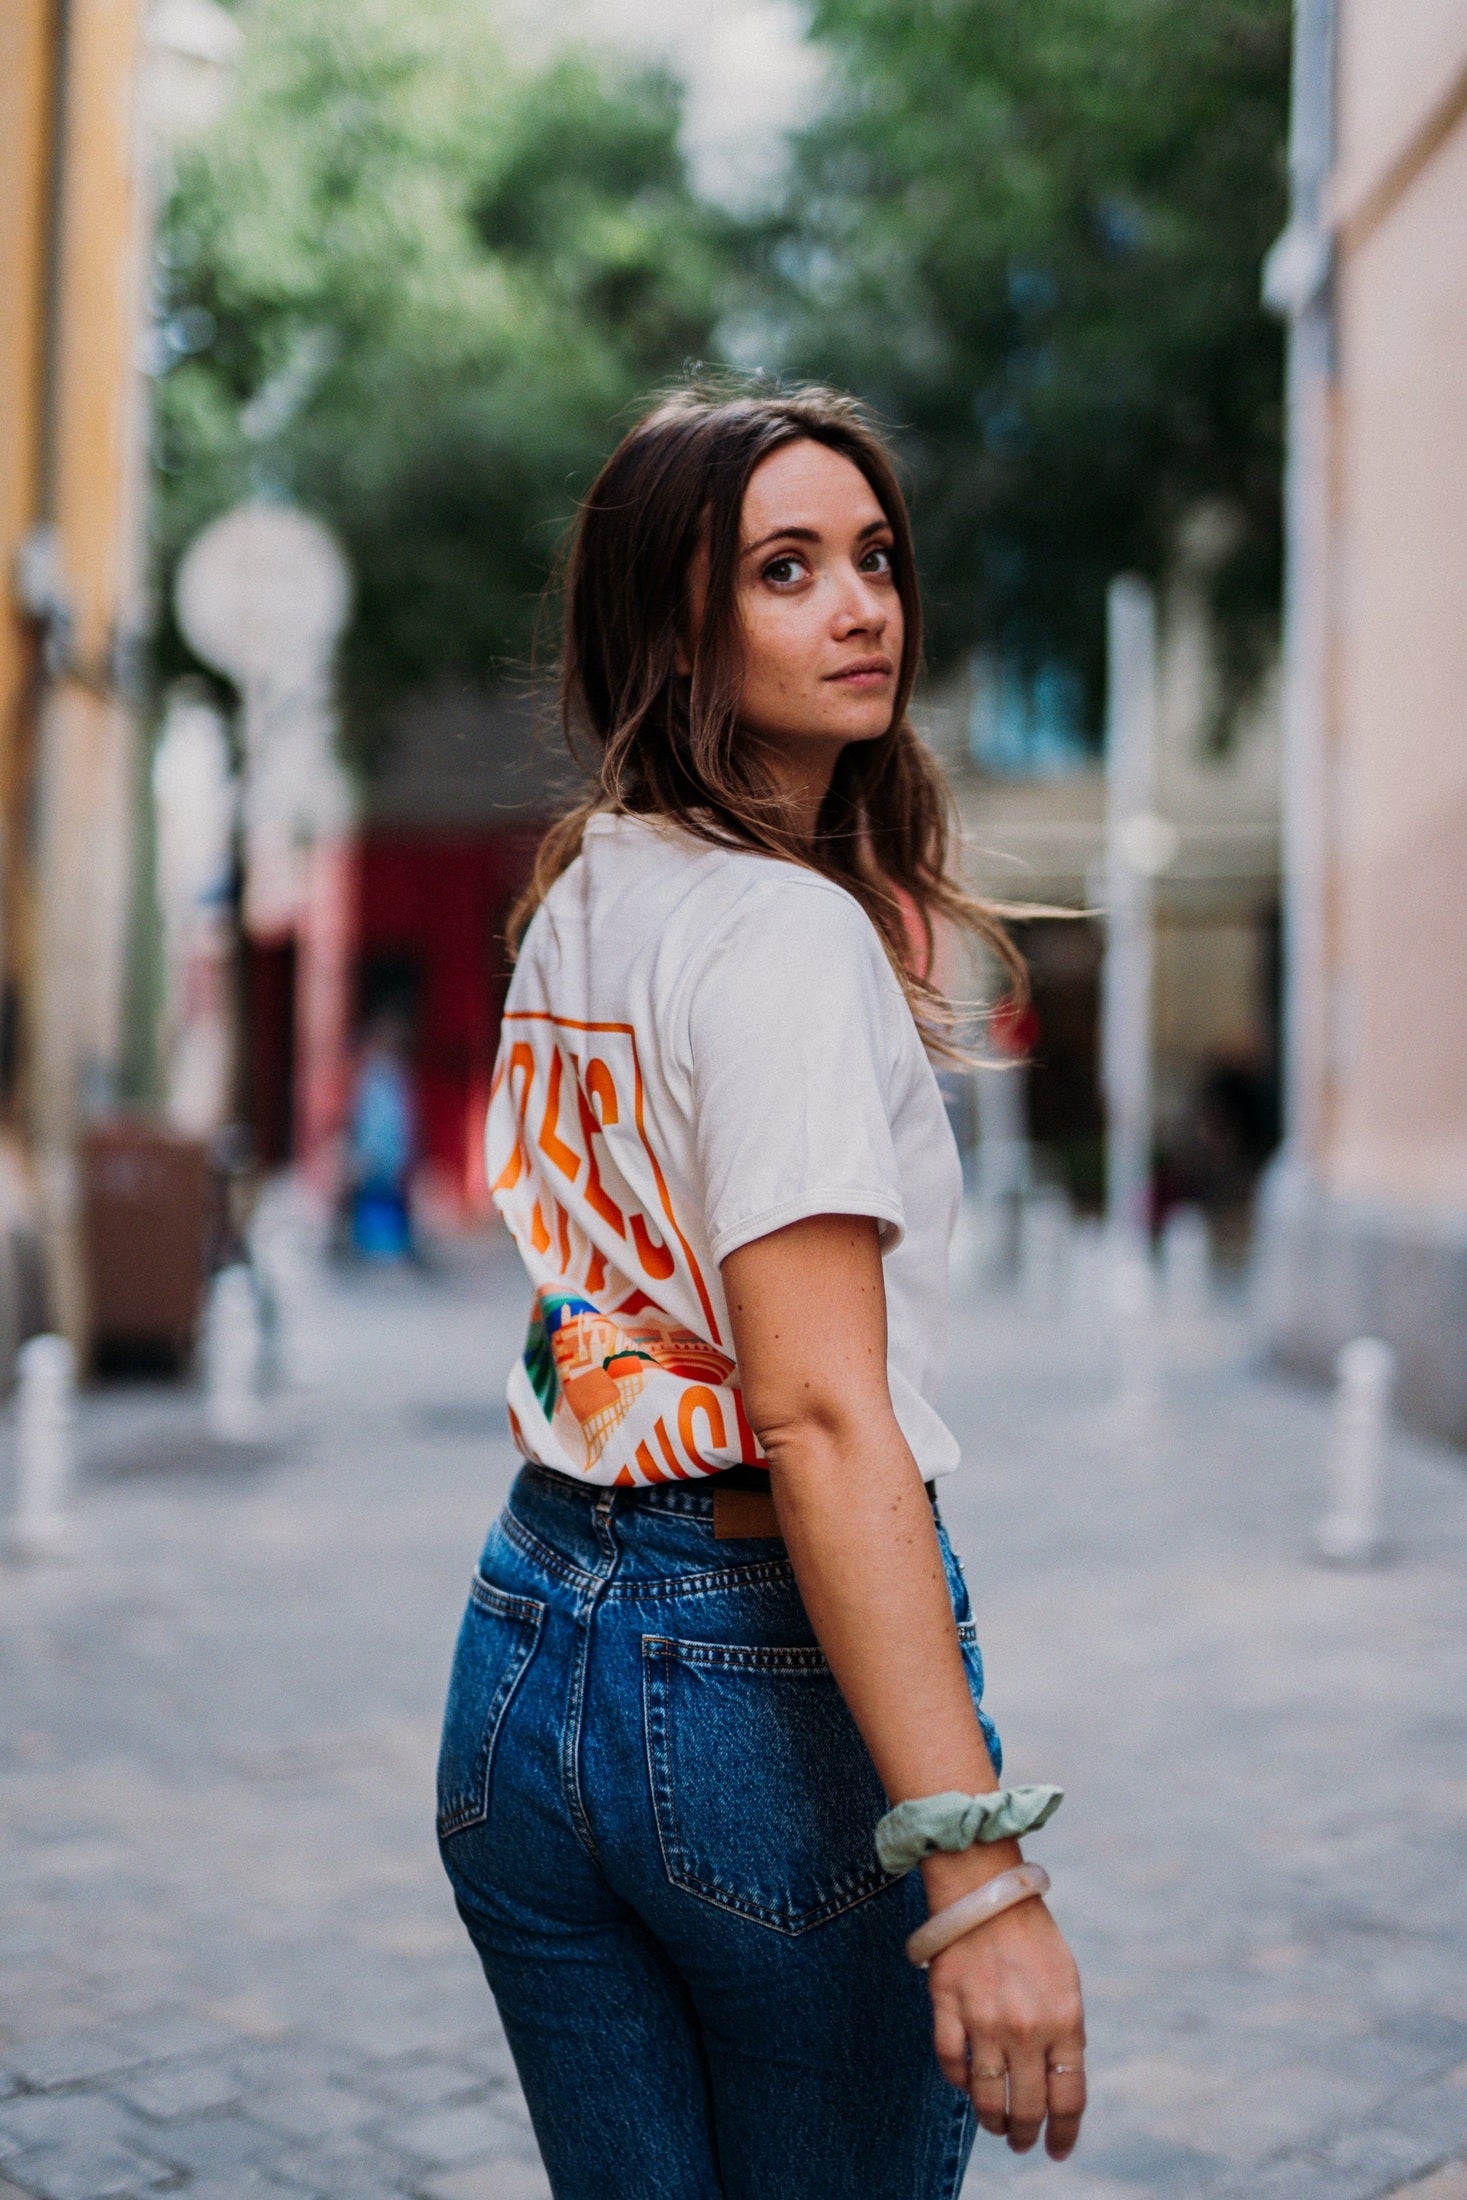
1447	2183
1435	2113
313	2111
217	2145
73	2056
424	2084
85	2173
179	2089
74	2119
449	2135
253	2184
1380	2155
498	2180
1141	2158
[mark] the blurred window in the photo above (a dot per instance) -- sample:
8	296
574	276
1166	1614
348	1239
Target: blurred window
1027	722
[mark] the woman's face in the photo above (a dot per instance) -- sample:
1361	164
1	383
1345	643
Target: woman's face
819	612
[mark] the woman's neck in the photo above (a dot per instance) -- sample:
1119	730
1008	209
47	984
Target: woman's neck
801	774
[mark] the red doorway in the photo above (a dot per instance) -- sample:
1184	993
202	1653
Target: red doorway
432	911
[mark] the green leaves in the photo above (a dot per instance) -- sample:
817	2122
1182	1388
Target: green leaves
419	287
1031	230
435	284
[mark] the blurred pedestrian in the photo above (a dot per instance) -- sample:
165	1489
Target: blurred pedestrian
382	1147
717	1691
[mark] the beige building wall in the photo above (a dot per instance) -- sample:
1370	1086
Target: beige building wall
1398	1125
1370	1222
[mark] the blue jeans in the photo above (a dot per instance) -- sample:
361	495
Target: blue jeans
657	1816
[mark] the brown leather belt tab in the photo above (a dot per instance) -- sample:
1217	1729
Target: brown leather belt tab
740	1513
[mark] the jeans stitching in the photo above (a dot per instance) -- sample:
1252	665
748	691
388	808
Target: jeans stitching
658	1654
959	2145
764	1573
473	1810
570	1755
504	1602
529	1546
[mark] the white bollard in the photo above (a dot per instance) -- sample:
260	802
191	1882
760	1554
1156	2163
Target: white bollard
1350	1533
1138	1356
232	1356
40	1527
1186	1265
287	1255
1044	1246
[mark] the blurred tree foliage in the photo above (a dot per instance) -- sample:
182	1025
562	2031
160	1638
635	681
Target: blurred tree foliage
1031	232
415	287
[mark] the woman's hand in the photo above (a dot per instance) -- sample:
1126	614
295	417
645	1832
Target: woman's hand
1006	2011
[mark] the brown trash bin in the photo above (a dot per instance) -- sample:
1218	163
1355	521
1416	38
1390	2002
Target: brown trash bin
147	1220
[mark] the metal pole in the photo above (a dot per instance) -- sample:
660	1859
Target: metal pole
1130	859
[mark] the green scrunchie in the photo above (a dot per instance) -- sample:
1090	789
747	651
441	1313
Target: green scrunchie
952	1821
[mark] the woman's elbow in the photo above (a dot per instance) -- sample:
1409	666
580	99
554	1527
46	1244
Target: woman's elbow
804	1432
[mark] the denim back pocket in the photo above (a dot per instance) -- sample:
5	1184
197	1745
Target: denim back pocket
765	1795
495	1643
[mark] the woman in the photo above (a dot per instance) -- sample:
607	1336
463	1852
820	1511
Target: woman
718	1631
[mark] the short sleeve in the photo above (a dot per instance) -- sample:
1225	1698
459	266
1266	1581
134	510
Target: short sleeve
791	1053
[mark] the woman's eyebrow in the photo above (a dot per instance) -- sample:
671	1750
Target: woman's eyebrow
783	534
811	534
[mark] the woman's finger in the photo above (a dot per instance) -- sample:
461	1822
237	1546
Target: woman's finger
988	2086
1028	2096
950	2041
1066	2087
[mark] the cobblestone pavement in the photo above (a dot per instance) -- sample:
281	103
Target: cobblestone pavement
229	1965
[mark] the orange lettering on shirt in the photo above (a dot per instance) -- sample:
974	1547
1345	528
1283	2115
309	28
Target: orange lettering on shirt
656	1259
520	1058
596	1272
565	1157
698	1398
671	1457
601	1086
648	1464
597	1196
748	1441
539	1235
659	1430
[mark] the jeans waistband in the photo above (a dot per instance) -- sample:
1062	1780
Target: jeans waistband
684	1497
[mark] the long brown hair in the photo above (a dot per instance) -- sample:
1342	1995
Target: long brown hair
666	743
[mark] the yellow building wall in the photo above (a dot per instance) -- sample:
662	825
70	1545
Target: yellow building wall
25	97
67	742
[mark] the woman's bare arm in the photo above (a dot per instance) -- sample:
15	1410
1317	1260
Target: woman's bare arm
808	1306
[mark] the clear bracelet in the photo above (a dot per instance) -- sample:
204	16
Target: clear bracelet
995	1896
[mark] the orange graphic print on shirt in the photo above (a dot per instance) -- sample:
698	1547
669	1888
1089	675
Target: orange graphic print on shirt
625	1377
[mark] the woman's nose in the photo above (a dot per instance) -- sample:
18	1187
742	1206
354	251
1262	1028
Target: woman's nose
861	607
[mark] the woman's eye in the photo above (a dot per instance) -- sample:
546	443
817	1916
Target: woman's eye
877	560
781	571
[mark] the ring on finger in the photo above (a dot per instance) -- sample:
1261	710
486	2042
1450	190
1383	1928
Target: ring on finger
1067	2070
992	2075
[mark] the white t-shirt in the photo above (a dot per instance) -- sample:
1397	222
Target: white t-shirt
701	1045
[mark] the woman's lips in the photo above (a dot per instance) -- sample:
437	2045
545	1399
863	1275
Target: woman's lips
871	672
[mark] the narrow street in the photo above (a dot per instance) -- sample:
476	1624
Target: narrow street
229	1963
